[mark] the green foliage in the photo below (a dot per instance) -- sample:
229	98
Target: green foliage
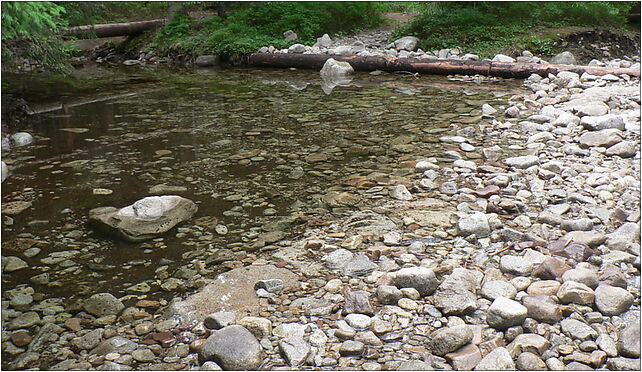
23	19
80	13
29	34
257	24
485	27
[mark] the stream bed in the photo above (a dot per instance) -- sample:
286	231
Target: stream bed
257	150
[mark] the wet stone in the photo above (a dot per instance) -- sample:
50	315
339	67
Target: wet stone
103	304
24	320
21	339
115	344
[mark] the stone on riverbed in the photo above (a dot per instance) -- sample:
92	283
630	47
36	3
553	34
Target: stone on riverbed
102	304
233	348
608	121
602	138
231	291
21	139
145	219
5	171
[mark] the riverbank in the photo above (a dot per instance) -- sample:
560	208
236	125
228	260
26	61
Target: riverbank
524	254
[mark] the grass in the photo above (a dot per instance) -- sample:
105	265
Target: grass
488	28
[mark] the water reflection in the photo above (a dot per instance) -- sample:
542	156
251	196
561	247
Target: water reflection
250	146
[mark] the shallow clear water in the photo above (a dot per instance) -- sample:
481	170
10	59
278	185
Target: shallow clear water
250	146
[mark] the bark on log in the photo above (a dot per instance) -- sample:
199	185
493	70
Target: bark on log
435	67
112	29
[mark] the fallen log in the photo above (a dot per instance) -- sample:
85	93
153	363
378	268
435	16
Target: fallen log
435	67
112	29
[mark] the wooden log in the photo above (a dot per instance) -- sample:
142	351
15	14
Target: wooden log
423	66
112	29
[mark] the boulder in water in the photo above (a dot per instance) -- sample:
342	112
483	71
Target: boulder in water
21	139
5	171
145	219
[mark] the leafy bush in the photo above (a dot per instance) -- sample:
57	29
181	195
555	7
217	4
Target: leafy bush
485	27
28	33
258	24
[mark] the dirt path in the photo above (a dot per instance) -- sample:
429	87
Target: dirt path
380	36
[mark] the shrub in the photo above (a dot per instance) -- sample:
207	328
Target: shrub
259	24
483	27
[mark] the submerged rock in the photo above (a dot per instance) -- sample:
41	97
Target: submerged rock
145	219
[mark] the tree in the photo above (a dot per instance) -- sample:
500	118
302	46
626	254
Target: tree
29	34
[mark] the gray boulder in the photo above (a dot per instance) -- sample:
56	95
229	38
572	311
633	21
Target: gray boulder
296	49
21	139
612	300
117	344
497	360
447	340
522	161
622	238
564	58
294	350
333	69
601	138
409	43
629	341
625	149
233	348
476	223
420	278
503	58
578	330
388	294
5	171
323	42
145	219
504	313
290	35
608	121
